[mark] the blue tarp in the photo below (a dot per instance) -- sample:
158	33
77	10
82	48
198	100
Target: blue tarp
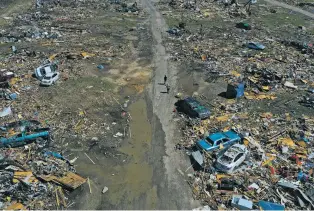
265	205
54	154
240	90
235	90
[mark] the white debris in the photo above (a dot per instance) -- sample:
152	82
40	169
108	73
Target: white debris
105	189
290	85
118	134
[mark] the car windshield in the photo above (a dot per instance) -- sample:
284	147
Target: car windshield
226	159
236	149
43	71
47	77
210	141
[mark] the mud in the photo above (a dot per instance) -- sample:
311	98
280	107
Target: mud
129	180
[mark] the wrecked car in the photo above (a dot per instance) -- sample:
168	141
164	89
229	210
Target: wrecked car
232	158
215	140
50	79
193	108
174	31
41	71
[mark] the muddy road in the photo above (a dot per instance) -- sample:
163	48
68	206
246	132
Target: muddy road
149	172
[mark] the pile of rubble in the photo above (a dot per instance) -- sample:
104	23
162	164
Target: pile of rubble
276	167
246	158
35	131
32	175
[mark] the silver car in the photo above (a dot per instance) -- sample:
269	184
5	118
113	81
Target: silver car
232	158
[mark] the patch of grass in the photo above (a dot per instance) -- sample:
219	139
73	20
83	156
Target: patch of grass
172	21
193	23
279	19
17	6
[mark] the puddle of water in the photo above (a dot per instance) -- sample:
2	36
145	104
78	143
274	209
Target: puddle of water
134	179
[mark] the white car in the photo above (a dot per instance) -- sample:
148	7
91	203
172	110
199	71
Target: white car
232	158
41	71
50	79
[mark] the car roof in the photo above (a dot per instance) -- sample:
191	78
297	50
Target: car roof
234	150
49	74
196	105
204	144
231	134
191	101
216	136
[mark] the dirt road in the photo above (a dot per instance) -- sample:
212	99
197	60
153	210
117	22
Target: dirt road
174	193
287	6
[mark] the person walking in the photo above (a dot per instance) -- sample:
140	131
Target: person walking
168	88
165	79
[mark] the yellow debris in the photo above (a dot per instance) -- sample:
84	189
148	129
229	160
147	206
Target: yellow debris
267	162
245	142
87	55
286	142
235	73
26	176
266	115
253	79
52	57
16	206
82	113
206	14
14	80
220	176
231	101
223	118
304	81
253	96
266	88
46	43
226	129
79	125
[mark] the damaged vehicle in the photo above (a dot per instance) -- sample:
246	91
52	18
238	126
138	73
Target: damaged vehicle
50	79
43	70
215	140
232	158
192	108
